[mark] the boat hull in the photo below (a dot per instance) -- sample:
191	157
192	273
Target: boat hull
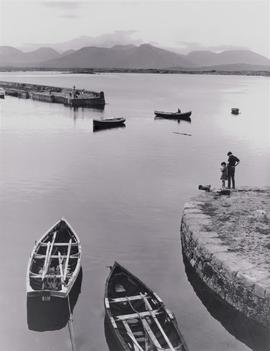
109	122
173	115
137	316
54	263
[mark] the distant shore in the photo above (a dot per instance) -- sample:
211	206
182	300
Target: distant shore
263	73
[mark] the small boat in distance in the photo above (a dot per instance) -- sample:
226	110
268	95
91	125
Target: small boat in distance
108	122
2	93
54	263
235	111
137	317
173	115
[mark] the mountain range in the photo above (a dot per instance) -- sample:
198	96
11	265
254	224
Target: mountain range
144	56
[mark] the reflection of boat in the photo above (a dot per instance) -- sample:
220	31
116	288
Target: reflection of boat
2	93
54	263
235	322
173	115
137	316
235	111
108	122
100	129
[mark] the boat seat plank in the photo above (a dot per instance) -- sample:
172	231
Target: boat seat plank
134	315
127	298
60	244
33	275
55	256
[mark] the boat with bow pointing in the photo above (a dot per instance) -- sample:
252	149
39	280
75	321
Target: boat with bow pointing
137	316
54	263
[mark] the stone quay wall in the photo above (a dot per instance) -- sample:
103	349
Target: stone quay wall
235	278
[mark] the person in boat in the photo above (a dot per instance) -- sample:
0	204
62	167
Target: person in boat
179	111
233	161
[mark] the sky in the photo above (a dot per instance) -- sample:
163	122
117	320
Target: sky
185	25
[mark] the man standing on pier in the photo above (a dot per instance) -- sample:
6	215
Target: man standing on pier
233	161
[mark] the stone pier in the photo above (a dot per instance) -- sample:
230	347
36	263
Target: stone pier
226	239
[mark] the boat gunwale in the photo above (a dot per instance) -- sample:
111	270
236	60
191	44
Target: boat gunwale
110	120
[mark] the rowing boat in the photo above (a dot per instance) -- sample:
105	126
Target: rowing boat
54	263
235	111
108	122
173	115
137	316
2	93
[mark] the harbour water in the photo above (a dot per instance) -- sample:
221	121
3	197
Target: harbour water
123	190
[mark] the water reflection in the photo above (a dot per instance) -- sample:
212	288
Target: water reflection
52	315
178	120
103	128
245	330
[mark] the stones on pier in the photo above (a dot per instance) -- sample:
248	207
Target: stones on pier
239	278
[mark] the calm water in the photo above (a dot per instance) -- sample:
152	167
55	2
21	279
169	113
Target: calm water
123	190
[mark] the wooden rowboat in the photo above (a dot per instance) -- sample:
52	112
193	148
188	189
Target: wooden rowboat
108	122
2	93
173	115
137	316
54	263
235	111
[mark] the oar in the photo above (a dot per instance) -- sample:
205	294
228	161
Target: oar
157	323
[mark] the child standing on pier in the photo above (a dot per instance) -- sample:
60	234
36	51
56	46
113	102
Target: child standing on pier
224	173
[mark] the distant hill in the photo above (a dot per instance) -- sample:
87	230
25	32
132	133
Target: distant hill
10	56
144	56
208	58
120	56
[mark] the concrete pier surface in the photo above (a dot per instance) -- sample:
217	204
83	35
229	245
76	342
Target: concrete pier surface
70	97
226	239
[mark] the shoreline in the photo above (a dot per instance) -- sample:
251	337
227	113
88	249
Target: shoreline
258	73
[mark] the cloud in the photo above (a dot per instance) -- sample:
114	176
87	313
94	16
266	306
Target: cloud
186	47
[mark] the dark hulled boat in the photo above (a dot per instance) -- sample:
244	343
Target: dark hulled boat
235	111
173	115
108	122
54	263
137	316
2	93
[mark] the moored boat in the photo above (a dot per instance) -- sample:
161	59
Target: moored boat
173	115
137	316
2	93
108	122
235	111
54	263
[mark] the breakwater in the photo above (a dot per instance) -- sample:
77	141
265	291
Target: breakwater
226	241
70	97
